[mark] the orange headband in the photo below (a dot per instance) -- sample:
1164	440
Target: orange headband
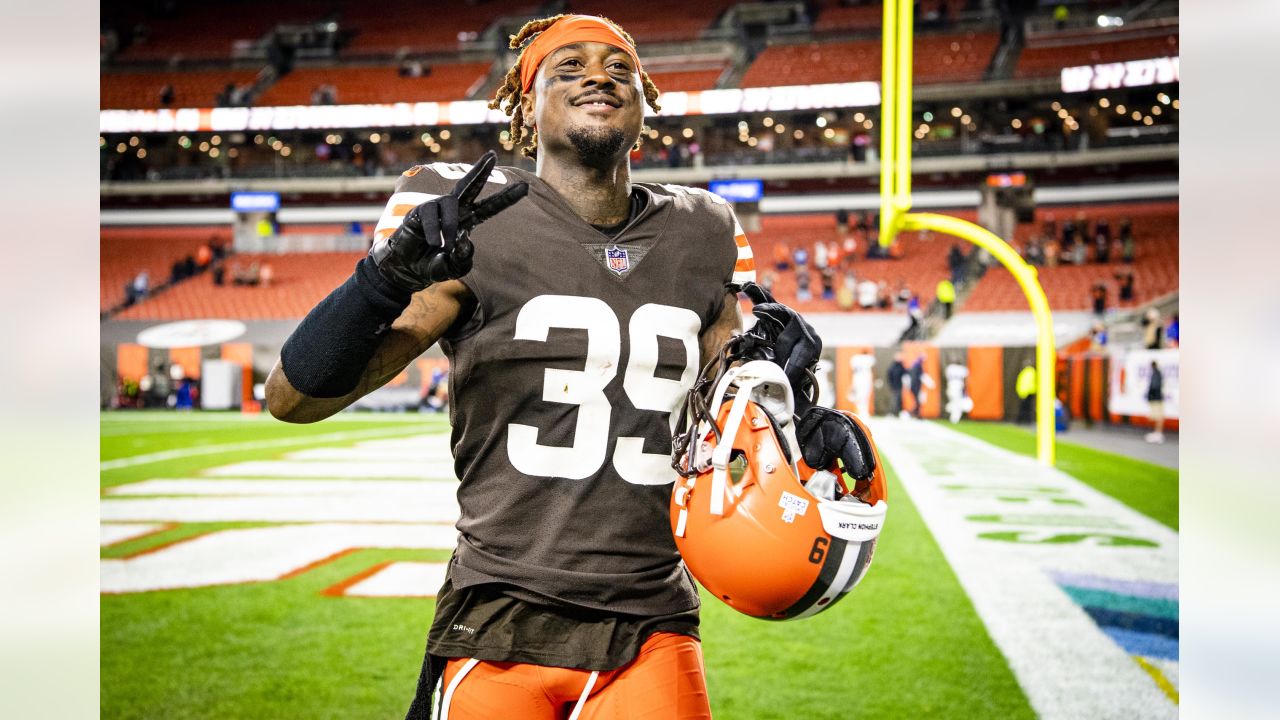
567	31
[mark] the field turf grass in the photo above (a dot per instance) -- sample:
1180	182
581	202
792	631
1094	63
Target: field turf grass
1150	489
906	644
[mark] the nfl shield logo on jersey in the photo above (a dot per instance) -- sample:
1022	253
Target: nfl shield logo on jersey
616	259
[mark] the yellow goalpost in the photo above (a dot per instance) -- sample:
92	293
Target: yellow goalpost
896	215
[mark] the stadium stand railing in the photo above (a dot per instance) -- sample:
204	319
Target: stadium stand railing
377	84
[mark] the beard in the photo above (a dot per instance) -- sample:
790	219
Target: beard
598	147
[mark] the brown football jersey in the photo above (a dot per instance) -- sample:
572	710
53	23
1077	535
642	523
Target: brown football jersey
563	382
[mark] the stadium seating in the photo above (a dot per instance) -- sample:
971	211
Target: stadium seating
127	91
203	31
1155	267
836	17
1049	59
385	28
377	84
961	57
657	20
126	251
922	265
300	281
686	81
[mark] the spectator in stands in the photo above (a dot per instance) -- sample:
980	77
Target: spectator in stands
828	283
955	261
904	294
141	285
849	251
177	272
919	381
1171	332
820	256
1152	330
781	257
834	258
1155	398
266	274
802	283
801	259
1125	280
1068	233
1098	337
1025	386
204	255
894	377
1101	244
1078	252
768	280
166	95
1052	252
1034	254
946	294
842	221
1126	240
847	292
864	222
1098	295
868	293
219	271
884	300
916	316
1060	16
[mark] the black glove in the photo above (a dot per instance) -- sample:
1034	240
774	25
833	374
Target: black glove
781	335
432	244
826	435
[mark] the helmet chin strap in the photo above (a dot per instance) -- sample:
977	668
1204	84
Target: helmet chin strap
749	376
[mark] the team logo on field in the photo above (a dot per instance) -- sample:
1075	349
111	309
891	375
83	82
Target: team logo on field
616	259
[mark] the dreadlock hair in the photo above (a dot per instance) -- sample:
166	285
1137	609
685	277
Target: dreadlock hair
511	93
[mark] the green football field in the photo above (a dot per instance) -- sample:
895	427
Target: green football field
906	644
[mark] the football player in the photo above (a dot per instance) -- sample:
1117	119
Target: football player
575	319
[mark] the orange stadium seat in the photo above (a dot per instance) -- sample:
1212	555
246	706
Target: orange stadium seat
384	28
126	251
208	30
377	84
657	20
1155	266
686	81
300	281
127	91
961	57
1049	59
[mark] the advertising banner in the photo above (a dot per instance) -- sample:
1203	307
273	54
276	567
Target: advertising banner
1131	377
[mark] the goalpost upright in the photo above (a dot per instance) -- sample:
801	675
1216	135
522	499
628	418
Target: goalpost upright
896	215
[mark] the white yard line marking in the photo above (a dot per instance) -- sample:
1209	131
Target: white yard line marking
119	532
400	579
177	454
1008	527
235	556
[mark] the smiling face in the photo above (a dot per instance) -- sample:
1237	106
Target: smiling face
586	97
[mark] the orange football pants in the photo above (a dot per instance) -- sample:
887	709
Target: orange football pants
666	681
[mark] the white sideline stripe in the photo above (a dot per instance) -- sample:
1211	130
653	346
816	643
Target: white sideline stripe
420	470
419	455
177	454
423	489
1063	661
379	508
402	579
258	554
119	532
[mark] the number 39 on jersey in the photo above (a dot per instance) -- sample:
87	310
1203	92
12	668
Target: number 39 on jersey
586	388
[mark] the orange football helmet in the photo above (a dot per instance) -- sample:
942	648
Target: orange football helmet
758	528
